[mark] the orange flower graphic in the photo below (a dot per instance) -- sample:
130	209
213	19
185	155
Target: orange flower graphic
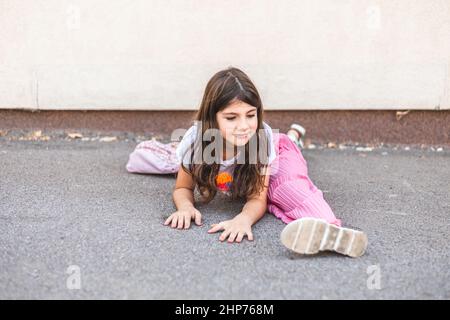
224	180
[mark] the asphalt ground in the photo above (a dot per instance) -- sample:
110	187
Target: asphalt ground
74	224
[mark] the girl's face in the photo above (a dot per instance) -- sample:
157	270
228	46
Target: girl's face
237	123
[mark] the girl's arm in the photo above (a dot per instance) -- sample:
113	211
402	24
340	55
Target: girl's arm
241	225
256	206
183	193
183	196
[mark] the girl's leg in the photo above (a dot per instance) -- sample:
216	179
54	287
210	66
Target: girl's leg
292	195
153	157
312	225
297	198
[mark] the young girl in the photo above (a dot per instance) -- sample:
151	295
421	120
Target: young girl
277	181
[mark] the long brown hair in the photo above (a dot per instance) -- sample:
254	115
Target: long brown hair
225	87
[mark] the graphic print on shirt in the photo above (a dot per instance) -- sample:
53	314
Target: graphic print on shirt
224	181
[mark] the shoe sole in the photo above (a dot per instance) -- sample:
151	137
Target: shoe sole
311	235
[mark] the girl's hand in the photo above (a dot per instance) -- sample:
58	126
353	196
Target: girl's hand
234	229
182	218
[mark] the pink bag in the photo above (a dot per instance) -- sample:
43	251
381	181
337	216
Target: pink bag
153	157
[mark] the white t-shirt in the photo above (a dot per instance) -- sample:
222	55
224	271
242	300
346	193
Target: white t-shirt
225	176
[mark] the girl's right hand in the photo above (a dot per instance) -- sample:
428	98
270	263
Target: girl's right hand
182	218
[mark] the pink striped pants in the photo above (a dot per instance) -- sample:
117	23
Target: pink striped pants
292	195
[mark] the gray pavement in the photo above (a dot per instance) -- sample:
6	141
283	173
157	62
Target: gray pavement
72	203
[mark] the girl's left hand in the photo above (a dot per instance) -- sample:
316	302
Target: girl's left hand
234	229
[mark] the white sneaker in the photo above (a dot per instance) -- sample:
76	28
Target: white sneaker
311	235
301	133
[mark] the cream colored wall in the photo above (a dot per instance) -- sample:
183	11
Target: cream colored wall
159	54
